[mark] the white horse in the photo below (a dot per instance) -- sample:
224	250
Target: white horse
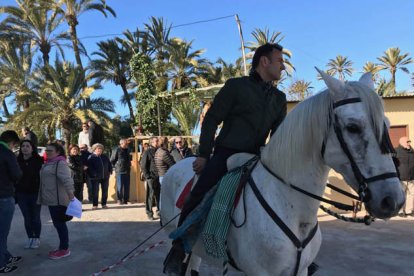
340	128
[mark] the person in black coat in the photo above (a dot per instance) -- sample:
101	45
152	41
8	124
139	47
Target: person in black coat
27	189
84	153
405	155
96	133
99	171
76	166
150	172
10	173
121	160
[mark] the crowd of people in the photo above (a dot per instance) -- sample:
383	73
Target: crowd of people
56	178
155	161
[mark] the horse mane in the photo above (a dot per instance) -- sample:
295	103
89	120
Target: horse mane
299	138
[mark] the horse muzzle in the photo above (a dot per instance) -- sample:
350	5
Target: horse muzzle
386	202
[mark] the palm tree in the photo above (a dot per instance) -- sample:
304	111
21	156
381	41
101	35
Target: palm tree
136	42
385	88
372	68
16	72
187	116
158	36
187	112
113	65
340	66
231	70
392	60
300	89
36	22
73	9
264	36
60	91
184	64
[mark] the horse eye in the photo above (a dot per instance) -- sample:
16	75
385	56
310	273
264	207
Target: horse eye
353	128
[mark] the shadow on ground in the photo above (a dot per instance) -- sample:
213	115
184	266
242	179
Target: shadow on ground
103	237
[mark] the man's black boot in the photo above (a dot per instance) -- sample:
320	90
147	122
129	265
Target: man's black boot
174	259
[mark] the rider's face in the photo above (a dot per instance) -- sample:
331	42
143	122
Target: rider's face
274	65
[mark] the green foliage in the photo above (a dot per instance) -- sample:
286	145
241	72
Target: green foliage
187	112
146	96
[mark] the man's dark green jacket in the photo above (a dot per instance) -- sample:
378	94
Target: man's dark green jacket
249	109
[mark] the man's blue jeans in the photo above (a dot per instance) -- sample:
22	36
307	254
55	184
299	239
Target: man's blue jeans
31	213
6	216
122	187
57	213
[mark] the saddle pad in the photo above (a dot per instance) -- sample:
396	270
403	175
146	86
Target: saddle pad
215	230
187	189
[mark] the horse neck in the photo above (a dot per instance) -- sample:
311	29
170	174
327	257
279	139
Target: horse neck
303	168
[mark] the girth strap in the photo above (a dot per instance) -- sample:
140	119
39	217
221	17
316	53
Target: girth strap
300	245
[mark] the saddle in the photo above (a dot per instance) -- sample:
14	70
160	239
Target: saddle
212	217
234	161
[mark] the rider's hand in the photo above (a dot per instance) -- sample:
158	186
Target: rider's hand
199	164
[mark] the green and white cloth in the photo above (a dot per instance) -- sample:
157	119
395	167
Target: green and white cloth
214	234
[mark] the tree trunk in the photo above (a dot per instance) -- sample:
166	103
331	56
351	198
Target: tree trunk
67	136
5	109
74	38
45	55
393	81
128	100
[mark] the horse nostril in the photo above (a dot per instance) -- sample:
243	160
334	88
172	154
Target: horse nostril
388	204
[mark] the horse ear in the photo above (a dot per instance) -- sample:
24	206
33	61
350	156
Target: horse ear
367	80
335	86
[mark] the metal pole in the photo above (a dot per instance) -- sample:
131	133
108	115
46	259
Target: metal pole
242	43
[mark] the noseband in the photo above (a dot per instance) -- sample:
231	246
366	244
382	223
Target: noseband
386	146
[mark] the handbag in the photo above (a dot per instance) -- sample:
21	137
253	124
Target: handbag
65	217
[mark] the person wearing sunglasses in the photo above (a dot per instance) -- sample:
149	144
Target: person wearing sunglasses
180	150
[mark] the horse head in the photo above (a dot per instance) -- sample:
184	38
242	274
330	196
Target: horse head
357	145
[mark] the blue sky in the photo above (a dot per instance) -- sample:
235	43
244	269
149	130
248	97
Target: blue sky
315	31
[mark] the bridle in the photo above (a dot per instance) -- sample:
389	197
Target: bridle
363	192
386	147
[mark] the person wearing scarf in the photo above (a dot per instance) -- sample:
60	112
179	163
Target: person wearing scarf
56	191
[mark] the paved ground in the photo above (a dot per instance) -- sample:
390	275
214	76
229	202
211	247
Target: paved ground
102	237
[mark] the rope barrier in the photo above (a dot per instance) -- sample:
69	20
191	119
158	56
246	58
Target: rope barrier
128	256
142	252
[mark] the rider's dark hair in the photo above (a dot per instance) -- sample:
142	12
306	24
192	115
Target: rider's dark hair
9	136
264	50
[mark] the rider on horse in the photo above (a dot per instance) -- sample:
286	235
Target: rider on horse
249	107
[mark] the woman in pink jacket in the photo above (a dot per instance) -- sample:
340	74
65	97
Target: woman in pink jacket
56	191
